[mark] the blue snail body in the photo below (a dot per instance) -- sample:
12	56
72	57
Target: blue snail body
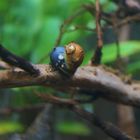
58	59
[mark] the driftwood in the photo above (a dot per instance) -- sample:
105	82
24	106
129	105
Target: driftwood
112	86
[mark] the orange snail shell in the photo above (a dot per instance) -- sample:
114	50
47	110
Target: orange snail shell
74	55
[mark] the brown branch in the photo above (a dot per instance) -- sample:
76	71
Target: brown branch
120	22
96	59
108	128
115	22
88	77
109	18
38	130
56	100
98	24
128	20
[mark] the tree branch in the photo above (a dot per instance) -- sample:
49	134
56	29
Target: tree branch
17	61
40	128
108	128
98	52
112	86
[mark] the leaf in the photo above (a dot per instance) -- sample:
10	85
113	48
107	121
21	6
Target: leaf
47	38
73	128
10	127
132	67
126	49
109	51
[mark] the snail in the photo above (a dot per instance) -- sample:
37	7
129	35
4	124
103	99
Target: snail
66	59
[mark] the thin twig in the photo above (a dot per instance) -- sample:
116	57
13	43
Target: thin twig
128	20
72	101
120	22
96	59
107	127
56	100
